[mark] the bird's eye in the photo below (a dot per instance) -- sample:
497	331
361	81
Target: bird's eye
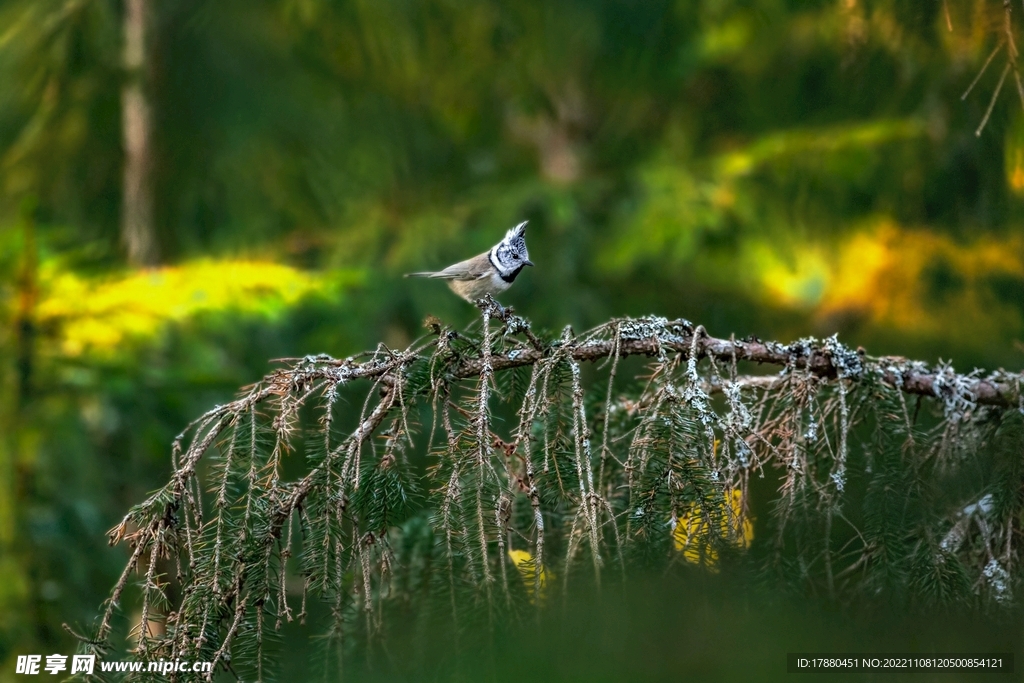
515	256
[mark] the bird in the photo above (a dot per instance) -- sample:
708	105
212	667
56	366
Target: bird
491	272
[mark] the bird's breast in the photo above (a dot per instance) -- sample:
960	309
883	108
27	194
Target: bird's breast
500	282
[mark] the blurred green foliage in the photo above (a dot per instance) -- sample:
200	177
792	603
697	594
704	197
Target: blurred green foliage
769	167
693	625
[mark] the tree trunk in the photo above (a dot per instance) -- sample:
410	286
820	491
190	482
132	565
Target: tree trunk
137	231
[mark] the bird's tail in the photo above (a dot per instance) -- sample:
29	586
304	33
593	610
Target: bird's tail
426	274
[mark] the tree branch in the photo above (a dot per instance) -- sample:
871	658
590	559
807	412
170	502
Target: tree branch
827	359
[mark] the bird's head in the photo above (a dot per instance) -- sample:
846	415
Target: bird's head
510	254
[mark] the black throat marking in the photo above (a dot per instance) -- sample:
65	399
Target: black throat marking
511	277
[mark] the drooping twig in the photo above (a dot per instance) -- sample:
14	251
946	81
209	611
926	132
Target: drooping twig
981	72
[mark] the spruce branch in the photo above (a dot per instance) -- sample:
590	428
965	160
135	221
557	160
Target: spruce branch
651	336
668	482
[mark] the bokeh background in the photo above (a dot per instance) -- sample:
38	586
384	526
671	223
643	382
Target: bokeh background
189	190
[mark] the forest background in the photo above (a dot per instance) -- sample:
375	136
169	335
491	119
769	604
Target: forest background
189	190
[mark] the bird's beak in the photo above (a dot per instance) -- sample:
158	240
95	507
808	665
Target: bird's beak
527	262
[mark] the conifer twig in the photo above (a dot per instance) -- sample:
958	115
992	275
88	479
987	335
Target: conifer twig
981	72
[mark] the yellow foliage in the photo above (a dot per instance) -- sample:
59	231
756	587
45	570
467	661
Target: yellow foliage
527	569
692	533
100	315
796	282
1016	171
893	278
802	142
1013	155
879	274
682	204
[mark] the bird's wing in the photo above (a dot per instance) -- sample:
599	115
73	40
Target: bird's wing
470	269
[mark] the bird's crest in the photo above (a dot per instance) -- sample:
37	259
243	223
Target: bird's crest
515	232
